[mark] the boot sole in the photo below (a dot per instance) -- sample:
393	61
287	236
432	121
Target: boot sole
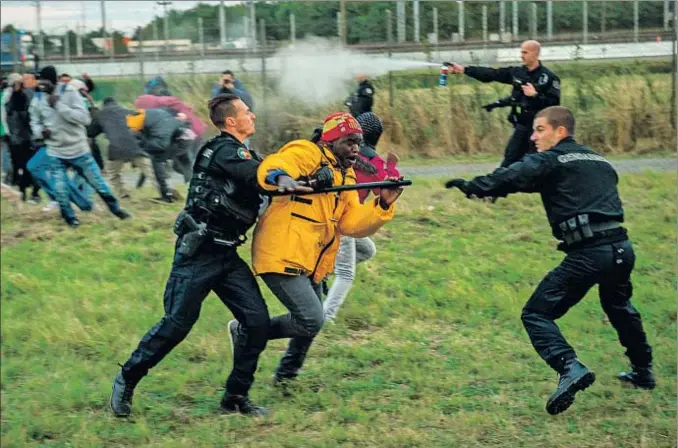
562	402
636	385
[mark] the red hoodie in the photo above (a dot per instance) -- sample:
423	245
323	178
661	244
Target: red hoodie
384	170
174	103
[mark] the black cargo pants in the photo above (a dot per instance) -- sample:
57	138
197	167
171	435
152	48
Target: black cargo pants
213	268
518	145
610	267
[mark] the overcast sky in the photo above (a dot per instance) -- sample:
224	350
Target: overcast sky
57	15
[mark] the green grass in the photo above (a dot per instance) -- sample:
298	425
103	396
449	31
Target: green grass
428	349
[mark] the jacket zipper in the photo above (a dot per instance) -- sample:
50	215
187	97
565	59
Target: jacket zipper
336	204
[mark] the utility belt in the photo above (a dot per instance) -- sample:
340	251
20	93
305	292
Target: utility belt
194	234
579	230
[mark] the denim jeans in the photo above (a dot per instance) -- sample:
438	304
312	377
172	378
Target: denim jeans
305	318
351	252
87	167
40	167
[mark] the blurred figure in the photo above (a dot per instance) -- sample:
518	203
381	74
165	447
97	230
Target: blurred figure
363	99
229	84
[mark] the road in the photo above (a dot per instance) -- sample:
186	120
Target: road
622	166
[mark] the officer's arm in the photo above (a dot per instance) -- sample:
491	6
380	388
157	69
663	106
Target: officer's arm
487	74
238	165
361	220
548	95
296	159
525	176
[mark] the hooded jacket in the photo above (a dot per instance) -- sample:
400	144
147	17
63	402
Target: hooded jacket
299	235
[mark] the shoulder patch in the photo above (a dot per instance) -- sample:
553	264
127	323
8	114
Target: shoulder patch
556	84
244	154
368	91
543	79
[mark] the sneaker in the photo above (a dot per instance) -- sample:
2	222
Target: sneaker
231	404
575	377
121	396
51	207
75	223
233	333
639	377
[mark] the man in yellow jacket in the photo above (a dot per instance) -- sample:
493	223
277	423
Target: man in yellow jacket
297	238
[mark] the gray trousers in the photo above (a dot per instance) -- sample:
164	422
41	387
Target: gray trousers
303	322
351	252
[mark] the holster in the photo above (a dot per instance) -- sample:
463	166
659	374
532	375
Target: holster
579	228
192	234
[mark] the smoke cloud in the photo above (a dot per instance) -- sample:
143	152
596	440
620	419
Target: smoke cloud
317	71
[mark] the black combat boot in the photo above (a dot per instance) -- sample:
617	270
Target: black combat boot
121	396
242	404
639	377
573	378
122	214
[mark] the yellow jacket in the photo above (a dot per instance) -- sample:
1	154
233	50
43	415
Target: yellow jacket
299	235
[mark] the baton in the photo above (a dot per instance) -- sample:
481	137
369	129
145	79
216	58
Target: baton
338	188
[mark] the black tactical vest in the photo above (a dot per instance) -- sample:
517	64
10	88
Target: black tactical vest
222	203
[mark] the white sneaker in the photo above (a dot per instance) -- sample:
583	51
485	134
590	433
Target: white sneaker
52	206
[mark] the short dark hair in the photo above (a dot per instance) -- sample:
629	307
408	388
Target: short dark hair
557	116
221	106
228	72
109	100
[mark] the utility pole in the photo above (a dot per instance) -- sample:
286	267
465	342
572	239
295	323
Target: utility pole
484	26
585	21
293	29
666	15
140	35
502	20
342	22
635	21
549	19
389	36
415	13
435	30
103	23
222	24
603	17
253	23
262	36
155	38
460	3
41	40
201	37
400	19
80	31
533	21
164	4
67	47
515	20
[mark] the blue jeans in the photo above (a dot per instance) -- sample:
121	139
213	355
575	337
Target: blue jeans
87	167
40	167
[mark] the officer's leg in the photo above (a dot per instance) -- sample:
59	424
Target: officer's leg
240	292
561	289
518	145
301	324
615	297
189	283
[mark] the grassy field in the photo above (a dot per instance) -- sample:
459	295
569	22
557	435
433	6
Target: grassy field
428	351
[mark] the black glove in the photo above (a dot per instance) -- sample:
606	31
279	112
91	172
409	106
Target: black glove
323	178
489	107
457	183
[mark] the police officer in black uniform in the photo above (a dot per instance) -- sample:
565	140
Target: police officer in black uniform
363	98
534	88
579	192
222	204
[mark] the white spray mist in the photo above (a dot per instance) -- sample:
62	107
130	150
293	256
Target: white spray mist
317	71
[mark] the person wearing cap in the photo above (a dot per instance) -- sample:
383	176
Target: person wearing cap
160	134
362	100
123	147
370	167
297	237
59	119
